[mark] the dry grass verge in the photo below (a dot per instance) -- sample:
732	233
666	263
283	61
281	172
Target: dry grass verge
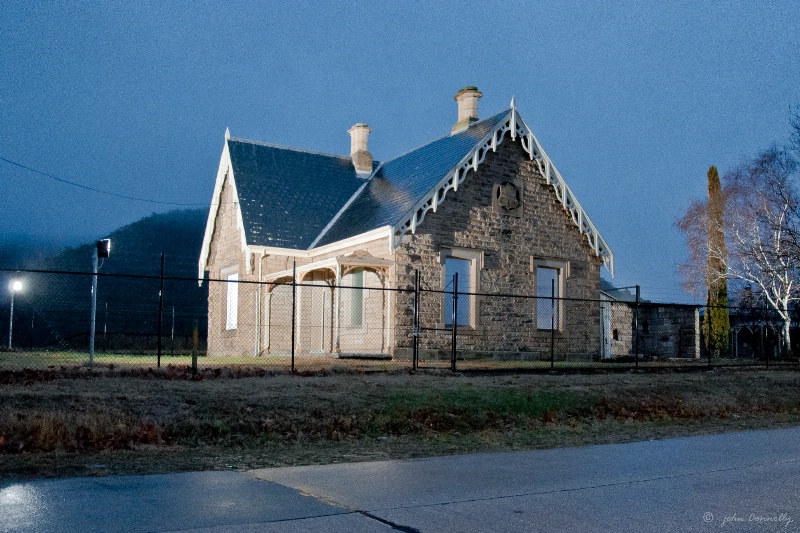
56	426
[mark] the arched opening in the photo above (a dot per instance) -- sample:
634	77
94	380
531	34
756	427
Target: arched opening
362	311
315	304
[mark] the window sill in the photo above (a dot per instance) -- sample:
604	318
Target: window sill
466	330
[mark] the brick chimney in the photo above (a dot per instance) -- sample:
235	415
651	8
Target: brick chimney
362	159
467	99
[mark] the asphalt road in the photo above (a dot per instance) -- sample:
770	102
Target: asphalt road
748	481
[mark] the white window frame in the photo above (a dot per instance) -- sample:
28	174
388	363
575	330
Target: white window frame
562	273
475	257
231	277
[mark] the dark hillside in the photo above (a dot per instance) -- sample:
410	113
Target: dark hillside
54	310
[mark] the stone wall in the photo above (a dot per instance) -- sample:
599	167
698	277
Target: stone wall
226	257
664	331
669	330
506	246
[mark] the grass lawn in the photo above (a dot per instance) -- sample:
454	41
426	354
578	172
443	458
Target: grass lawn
112	424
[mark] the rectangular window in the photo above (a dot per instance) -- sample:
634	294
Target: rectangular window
232	302
357	298
548	288
465	270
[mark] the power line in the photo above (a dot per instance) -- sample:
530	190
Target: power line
93	189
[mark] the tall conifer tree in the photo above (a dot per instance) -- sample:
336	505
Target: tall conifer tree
717	335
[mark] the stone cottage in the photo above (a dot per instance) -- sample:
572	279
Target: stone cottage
483	201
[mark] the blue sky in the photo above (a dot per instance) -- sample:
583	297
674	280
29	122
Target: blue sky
632	101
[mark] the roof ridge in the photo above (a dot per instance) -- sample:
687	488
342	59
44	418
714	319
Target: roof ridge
291	148
380	163
446	136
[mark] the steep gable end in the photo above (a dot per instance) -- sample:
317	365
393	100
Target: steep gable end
404	189
512	126
283	197
223	178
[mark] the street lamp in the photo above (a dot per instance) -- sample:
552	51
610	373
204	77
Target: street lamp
101	251
14	287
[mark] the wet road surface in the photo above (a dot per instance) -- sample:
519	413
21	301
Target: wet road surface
747	481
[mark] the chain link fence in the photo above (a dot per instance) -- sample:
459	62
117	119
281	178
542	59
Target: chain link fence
317	325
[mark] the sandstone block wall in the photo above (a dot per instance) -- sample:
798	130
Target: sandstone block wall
545	231
664	330
226	256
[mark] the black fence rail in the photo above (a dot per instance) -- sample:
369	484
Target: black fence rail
362	322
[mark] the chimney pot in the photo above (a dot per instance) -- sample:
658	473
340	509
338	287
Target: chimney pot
362	159
467	99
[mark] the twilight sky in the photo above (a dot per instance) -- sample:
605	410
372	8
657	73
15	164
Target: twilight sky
632	101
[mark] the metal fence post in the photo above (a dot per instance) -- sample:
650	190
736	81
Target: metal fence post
636	325
415	333
552	323
709	328
764	350
33	319
160	311
455	322
294	305
105	331
195	342
11	320
95	262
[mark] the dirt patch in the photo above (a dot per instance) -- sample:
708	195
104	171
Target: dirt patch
54	424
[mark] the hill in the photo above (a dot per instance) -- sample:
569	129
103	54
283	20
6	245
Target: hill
54	309
136	248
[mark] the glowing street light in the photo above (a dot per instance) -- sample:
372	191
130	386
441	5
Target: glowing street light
14	287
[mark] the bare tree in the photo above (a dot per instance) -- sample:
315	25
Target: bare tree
763	230
762	234
694	225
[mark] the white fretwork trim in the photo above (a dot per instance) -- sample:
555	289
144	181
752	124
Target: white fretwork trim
332	264
513	126
224	172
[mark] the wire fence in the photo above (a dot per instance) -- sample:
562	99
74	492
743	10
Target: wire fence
360	324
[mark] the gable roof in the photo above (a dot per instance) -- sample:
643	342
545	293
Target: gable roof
300	200
398	184
288	196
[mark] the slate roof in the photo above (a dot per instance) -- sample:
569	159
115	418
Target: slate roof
301	200
288	196
401	182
